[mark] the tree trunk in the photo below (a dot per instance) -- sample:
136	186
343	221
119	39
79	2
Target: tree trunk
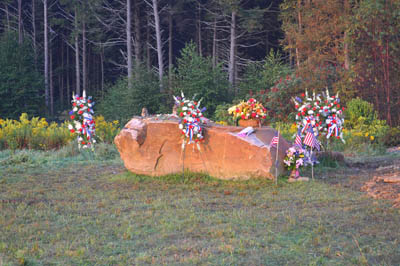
34	31
170	48
61	77
148	55
7	17
232	61
214	49
299	29
138	39
129	42
68	76
102	69
51	83
199	31
345	40
77	69
84	57
46	56
20	33
159	44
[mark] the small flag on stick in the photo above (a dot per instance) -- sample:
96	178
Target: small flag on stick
274	140
311	140
297	141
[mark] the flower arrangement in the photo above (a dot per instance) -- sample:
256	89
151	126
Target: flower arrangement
294	159
321	113
190	124
82	122
248	110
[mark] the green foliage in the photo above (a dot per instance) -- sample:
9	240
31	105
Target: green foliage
263	75
20	84
121	102
222	115
38	134
359	112
196	75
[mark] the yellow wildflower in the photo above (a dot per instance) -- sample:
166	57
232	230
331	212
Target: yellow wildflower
371	137
366	134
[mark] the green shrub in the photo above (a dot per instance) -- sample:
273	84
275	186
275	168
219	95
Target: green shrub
261	76
221	114
359	112
122	103
196	75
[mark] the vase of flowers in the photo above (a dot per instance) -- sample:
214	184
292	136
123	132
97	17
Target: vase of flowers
293	160
249	113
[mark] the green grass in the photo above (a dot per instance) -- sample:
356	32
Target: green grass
66	208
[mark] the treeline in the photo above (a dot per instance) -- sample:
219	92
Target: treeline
133	53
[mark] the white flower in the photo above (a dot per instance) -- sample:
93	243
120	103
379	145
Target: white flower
180	126
70	126
199	135
94	141
80	139
75	109
184	113
184	108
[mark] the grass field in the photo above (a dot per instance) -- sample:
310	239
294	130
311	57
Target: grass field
65	208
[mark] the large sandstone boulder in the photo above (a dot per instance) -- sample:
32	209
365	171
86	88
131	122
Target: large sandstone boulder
153	146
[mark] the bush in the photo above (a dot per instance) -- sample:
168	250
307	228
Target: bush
263	75
196	75
359	112
32	134
122	103
38	134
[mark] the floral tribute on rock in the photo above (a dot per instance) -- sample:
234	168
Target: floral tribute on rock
190	124
320	113
250	109
82	123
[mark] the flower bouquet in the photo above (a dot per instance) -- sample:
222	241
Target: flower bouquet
294	159
82	122
190	124
250	110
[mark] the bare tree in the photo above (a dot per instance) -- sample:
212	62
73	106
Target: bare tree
46	55
129	42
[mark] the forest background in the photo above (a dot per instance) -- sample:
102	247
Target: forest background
132	54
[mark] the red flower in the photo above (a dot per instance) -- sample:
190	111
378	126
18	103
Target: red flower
195	103
72	117
192	106
89	101
302	113
72	130
304	109
317	114
81	105
253	114
297	106
302	95
338	106
243	117
193	115
237	110
74	104
80	112
83	143
181	114
264	116
182	104
314	108
184	121
298	114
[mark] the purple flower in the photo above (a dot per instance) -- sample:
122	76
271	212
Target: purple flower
71	112
298	99
203	109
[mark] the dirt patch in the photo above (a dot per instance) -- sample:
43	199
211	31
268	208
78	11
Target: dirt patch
379	177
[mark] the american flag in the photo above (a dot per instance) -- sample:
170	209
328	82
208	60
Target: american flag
311	140
297	141
274	140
